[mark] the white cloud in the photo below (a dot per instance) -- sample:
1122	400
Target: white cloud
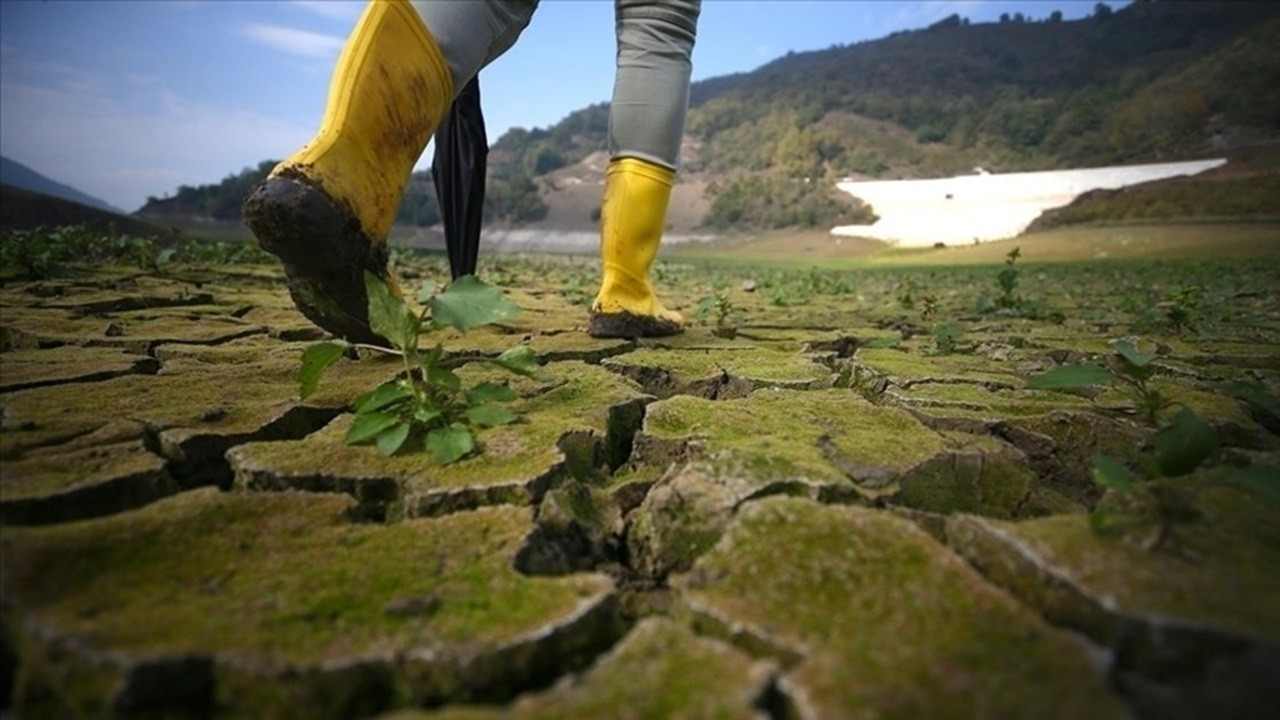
134	139
332	9
292	40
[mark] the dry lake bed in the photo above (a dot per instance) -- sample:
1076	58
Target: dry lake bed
835	496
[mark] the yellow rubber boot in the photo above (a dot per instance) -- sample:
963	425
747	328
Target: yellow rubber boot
632	216
326	211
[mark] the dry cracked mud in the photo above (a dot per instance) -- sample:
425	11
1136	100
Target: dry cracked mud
823	513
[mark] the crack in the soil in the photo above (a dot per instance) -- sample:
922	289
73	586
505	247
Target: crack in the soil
774	701
96	499
145	365
199	458
17	451
131	303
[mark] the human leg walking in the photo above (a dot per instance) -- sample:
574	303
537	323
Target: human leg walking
646	124
326	211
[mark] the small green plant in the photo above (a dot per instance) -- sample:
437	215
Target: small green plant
1262	404
1180	312
1007	279
928	307
779	296
907	293
946	337
1127	367
32	255
46	253
726	317
1160	494
427	404
580	288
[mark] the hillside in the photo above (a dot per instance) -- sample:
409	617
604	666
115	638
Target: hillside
1152	81
26	210
221	202
16	175
1155	80
1248	186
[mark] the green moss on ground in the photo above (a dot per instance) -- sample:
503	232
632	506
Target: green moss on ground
281	576
46	474
660	670
904	369
1230	583
967	400
779	433
887	622
1212	406
576	398
200	399
69	363
189	397
136	331
683	370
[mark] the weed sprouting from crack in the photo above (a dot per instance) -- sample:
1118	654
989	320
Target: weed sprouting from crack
427	401
726	316
1167	478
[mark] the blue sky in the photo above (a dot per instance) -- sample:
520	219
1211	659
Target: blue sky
128	98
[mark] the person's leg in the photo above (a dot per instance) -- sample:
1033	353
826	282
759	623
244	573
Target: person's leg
646	123
326	210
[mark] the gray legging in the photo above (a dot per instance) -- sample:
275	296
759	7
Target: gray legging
650	90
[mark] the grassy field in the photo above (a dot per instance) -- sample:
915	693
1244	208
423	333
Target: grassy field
1201	240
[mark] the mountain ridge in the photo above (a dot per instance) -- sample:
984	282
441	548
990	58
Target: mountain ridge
1152	81
15	174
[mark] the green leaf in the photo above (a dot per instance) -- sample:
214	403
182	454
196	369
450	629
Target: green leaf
315	360
427	290
1184	443
449	444
1071	376
1098	518
384	395
444	378
490	392
947	331
1126	350
390	440
426	413
521	360
469	303
490	415
1111	473
1256	395
388	314
1148	462
1263	480
368	426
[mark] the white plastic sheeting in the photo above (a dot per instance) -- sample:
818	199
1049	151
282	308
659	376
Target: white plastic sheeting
961	210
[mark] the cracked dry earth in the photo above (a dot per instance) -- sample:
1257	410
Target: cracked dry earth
815	518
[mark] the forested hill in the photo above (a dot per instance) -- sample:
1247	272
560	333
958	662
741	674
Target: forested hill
1154	80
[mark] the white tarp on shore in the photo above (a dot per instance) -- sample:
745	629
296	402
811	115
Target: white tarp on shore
960	210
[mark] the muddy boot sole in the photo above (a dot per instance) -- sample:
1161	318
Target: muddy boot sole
630	326
324	252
